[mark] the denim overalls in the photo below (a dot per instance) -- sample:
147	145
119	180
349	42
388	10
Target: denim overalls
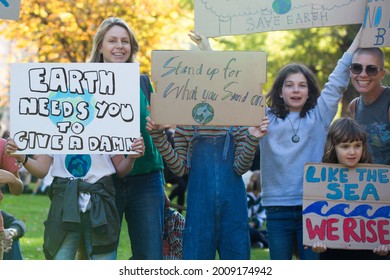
216	218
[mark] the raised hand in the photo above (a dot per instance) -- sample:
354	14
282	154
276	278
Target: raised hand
202	42
356	42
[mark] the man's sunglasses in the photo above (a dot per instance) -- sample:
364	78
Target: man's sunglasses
371	70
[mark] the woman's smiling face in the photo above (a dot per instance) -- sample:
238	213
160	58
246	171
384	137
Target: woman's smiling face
116	45
362	82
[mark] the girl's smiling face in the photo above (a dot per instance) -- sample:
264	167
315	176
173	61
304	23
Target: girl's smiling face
295	92
116	45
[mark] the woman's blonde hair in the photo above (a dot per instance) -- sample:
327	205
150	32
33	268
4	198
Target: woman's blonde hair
345	130
107	24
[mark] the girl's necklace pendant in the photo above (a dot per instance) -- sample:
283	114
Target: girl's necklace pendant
295	138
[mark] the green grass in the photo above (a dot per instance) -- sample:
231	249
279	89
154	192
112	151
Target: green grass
33	209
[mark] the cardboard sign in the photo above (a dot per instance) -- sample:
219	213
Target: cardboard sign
346	208
208	87
376	24
215	18
9	9
75	108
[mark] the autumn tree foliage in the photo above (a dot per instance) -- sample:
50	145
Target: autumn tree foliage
62	30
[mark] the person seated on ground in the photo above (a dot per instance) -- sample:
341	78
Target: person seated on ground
173	233
14	229
9	175
256	212
26	178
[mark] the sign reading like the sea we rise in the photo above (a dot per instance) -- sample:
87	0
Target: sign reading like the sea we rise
346	208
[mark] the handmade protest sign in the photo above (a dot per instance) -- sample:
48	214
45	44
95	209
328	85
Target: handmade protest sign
376	24
9	9
346	208
215	18
208	87
75	108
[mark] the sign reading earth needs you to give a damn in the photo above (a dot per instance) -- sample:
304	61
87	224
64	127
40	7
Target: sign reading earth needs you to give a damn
346	208
75	108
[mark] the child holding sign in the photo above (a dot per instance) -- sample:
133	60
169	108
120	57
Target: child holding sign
299	117
214	159
346	144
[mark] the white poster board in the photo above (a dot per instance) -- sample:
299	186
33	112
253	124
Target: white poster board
346	208
208	87
376	24
9	9
215	18
75	108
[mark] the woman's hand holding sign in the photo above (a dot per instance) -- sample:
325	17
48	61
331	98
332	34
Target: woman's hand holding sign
139	147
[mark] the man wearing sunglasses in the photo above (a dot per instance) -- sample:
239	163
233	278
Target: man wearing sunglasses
372	108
